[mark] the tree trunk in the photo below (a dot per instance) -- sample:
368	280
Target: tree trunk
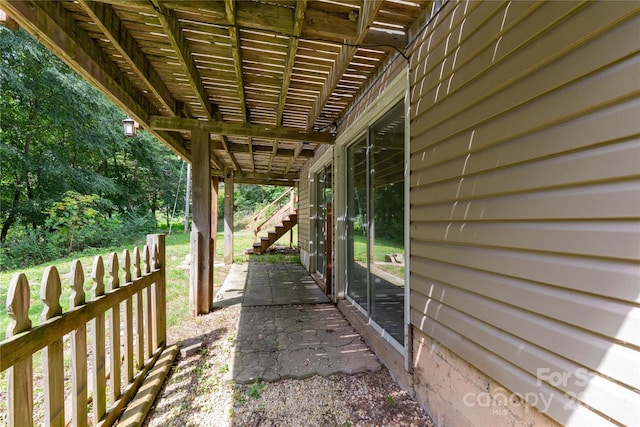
19	179
12	215
154	207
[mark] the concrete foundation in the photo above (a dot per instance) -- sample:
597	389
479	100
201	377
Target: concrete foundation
457	394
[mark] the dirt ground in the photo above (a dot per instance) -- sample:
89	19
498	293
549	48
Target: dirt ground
196	393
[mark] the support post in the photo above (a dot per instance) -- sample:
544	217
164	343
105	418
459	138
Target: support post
228	219
292	208
187	199
201	248
214	225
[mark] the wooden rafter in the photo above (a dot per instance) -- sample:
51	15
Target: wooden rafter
198	65
261	15
297	152
329	27
234	36
251	159
112	27
301	8
260	178
260	149
169	21
7	22
368	12
240	129
225	141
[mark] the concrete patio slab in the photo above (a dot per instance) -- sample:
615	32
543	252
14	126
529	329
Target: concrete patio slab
287	328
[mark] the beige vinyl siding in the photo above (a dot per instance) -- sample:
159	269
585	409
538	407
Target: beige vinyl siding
525	198
303	214
305	208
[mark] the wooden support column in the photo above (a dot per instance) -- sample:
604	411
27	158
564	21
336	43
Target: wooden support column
201	297
228	218
214	223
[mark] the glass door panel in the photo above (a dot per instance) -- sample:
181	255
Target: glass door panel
324	199
357	223
386	210
321	215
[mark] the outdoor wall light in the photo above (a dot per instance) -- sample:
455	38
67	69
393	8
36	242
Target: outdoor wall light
130	126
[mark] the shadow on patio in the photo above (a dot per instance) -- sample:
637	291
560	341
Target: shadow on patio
272	327
287	327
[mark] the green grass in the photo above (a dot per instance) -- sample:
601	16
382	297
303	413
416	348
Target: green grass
381	248
177	248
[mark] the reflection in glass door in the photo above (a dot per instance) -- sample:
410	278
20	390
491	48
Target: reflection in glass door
375	236
357	250
324	197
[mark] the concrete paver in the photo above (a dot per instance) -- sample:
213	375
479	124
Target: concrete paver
287	328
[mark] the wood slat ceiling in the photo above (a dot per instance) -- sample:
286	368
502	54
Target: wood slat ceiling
268	79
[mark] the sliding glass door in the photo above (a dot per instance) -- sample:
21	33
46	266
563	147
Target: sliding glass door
375	232
324	214
357	211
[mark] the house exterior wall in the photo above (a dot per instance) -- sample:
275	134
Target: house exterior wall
306	209
525	199
303	216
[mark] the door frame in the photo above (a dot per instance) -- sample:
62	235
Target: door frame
325	160
395	92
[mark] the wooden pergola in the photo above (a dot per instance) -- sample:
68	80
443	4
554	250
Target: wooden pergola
245	90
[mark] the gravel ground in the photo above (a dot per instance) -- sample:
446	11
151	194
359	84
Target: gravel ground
195	393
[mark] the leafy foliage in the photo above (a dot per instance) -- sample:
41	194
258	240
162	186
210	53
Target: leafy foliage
251	198
69	178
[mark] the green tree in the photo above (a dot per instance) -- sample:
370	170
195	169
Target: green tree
60	136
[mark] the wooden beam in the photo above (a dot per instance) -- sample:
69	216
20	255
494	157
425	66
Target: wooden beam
268	181
228	218
174	142
296	153
201	248
54	27
214	226
253	163
234	37
240	129
169	21
301	7
368	12
320	24
248	14
7	22
288	179
252	149
261	16
270	17
225	141
274	150
131	4
111	25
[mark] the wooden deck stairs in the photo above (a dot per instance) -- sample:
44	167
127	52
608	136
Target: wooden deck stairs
278	223
273	235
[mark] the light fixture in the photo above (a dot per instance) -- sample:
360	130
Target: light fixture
130	126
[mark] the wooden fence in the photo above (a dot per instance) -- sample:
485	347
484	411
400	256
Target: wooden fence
114	339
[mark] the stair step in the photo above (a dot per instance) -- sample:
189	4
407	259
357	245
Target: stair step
273	235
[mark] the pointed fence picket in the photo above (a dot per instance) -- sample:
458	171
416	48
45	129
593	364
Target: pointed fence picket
122	351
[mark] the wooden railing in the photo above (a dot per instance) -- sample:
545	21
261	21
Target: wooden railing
109	361
284	207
